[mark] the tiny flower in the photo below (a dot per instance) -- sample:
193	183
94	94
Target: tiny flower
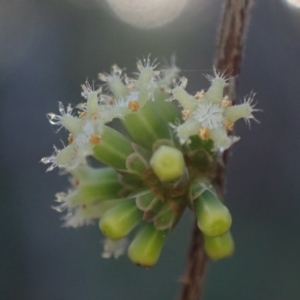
76	217
208	115
218	76
114	82
64	158
66	120
114	248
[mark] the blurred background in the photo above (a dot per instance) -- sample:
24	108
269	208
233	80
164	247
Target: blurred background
47	49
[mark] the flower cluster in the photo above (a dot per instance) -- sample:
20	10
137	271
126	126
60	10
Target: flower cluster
211	115
166	164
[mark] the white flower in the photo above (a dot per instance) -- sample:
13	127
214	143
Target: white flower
218	76
64	158
125	101
114	248
208	115
76	217
66	119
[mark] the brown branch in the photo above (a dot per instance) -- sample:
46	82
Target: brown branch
194	277
231	38
232	34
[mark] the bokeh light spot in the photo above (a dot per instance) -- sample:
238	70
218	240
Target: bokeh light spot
147	13
294	2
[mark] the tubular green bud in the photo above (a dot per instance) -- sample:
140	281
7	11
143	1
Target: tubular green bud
167	163
165	108
213	216
145	249
113	148
219	247
120	220
97	184
136	163
98	209
146	126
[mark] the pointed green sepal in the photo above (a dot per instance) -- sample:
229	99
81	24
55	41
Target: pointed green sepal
168	217
219	247
201	160
146	247
130	180
136	163
149	204
120	220
213	216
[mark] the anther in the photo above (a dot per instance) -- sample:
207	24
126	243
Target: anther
199	95
204	133
228	125
133	105
70	138
226	102
185	114
95	139
82	115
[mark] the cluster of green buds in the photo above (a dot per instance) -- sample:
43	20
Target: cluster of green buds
164	164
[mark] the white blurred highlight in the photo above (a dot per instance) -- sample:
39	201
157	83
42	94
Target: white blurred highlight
147	13
294	2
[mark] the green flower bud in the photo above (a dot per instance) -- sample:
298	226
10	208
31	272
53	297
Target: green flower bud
168	163
145	249
113	148
213	216
219	247
146	126
120	220
98	184
165	108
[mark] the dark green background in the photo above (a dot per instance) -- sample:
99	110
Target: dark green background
47	49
